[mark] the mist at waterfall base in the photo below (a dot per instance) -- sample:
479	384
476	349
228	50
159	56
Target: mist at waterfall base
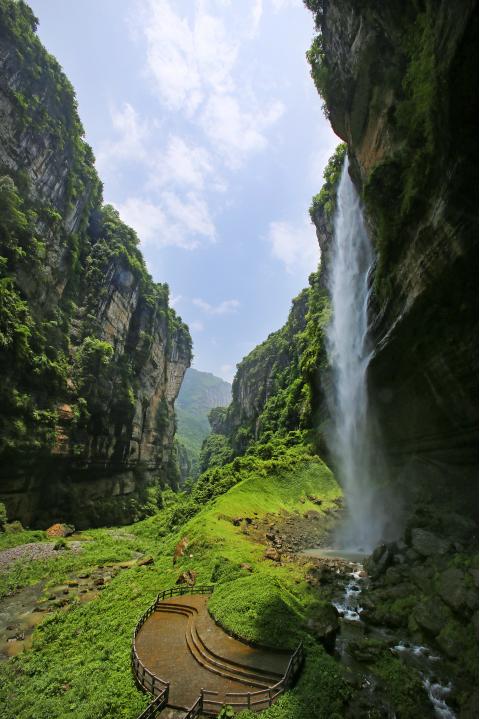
352	441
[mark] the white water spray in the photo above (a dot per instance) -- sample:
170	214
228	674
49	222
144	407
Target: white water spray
349	354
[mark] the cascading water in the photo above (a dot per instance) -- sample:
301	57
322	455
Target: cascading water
349	354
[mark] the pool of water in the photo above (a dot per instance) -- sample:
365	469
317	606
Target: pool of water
349	555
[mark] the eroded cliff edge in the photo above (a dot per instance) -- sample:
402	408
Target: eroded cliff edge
399	81
92	357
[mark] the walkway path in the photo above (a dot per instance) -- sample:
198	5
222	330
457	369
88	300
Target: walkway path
181	644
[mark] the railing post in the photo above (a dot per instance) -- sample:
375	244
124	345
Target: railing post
248	700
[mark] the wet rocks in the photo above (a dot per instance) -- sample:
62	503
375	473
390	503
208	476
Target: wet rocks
452	588
379	561
431	615
426	543
324	626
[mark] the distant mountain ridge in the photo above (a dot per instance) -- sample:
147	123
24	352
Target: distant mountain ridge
200	392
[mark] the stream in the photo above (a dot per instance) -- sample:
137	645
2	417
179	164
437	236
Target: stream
422	658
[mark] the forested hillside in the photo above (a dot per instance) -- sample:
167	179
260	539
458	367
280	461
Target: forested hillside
92	356
199	393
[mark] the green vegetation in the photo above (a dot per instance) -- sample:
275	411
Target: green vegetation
65	378
79	663
199	393
277	389
325	201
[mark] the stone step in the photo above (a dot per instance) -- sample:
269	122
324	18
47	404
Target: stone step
218	665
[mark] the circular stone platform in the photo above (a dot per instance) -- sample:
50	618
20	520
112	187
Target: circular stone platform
181	643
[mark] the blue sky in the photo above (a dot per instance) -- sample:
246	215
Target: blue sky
210	140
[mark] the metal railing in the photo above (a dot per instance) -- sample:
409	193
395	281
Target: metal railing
209	702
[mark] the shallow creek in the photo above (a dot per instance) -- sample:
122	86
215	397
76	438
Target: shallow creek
348	604
21	612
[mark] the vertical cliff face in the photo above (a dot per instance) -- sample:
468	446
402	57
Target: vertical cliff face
92	357
410	126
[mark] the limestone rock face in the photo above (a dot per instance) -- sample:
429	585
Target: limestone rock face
87	418
413	164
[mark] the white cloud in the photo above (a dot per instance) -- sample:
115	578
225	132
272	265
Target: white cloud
295	246
257	12
130	143
172	222
193	62
283	4
223	308
191	214
184	164
235	132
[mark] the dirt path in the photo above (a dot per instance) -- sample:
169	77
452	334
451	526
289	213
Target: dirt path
34	551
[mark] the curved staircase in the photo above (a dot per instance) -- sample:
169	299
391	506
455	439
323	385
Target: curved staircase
201	667
223	666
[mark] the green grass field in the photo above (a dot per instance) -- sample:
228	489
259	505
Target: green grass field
79	665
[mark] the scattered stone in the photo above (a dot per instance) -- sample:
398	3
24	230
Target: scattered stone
99	581
427	544
248	567
312	514
188	577
270	536
236	521
60	530
273	554
249	520
144	561
71	583
314	499
84	575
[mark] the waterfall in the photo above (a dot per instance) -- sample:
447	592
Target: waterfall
349	355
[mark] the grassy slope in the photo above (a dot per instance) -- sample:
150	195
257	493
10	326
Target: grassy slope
79	664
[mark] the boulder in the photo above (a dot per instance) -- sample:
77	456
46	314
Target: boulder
452	589
428	544
60	530
316	500
189	577
273	554
432	615
246	566
378	563
324	626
